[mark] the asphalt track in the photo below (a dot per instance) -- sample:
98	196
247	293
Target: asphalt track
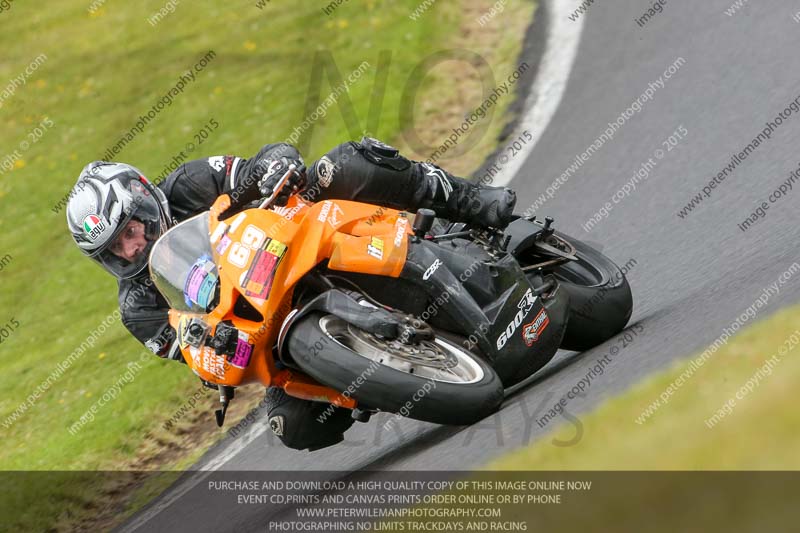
693	276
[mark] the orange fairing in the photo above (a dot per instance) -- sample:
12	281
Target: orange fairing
261	255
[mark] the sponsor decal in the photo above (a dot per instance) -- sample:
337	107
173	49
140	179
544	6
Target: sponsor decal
218	232
288	213
208	361
244	350
532	331
200	284
257	281
375	248
401	226
93	226
334	219
431	269
212	363
223	244
183	323
323	213
276	423
525	305
330	211
325	170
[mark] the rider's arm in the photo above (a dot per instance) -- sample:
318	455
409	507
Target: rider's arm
144	312
194	186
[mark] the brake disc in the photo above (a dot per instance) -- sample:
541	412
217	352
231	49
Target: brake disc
423	352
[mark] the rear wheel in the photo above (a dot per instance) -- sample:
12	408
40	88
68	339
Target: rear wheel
432	380
600	296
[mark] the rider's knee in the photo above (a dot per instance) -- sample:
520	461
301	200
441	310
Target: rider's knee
349	163
303	424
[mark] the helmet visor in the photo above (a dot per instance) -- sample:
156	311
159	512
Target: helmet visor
121	267
125	253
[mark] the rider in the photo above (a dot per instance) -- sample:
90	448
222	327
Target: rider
115	215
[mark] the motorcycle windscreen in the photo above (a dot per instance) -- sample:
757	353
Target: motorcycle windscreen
183	269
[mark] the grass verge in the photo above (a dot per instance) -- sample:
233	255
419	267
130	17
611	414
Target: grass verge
99	71
704	425
735	412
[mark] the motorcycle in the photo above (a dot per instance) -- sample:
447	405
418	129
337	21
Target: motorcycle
356	305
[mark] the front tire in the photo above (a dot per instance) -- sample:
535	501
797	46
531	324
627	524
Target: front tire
434	381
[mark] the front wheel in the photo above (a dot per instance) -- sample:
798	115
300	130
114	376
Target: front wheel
431	380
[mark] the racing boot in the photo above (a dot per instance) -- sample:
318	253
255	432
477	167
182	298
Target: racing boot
458	200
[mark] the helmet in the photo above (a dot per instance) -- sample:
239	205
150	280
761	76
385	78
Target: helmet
106	197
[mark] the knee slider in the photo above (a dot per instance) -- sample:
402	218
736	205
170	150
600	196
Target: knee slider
303	424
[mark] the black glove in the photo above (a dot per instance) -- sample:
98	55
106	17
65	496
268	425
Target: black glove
274	170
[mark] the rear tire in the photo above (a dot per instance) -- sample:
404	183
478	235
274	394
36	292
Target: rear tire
600	297
342	356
